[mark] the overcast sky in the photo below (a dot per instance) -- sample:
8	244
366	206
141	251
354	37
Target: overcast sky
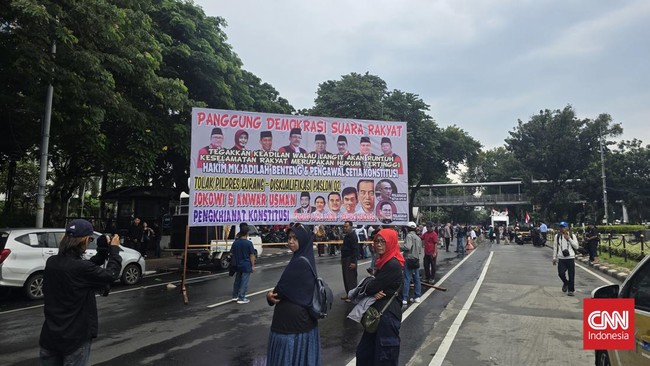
479	64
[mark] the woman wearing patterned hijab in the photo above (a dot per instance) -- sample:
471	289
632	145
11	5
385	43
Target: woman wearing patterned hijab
382	347
294	338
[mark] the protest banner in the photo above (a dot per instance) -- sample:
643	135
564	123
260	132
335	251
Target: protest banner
264	168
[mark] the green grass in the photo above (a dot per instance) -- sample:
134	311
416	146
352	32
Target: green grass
617	261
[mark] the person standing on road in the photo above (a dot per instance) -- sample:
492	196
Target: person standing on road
413	253
592	238
349	256
564	254
446	234
543	229
69	285
430	240
382	347
243	258
461	236
294	338
135	236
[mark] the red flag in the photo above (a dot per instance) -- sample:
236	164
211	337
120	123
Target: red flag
527	217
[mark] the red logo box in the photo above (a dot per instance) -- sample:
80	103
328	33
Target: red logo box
608	324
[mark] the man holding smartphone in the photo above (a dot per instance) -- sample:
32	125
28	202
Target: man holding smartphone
564	254
69	286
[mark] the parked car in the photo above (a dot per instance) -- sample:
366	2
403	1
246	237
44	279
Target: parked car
637	287
23	253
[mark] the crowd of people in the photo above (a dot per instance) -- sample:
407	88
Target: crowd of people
294	337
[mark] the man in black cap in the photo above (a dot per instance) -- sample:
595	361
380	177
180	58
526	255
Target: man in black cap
216	142
304	208
387	149
69	286
320	145
295	136
342	145
266	141
365	147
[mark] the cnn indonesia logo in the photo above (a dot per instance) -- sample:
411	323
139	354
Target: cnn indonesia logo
608	324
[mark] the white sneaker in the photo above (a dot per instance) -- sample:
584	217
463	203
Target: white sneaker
404	302
411	299
243	301
417	299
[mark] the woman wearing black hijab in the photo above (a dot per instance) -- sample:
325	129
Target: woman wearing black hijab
294	338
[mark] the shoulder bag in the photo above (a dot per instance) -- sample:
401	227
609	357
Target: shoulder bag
370	319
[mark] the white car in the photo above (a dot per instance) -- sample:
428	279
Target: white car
23	253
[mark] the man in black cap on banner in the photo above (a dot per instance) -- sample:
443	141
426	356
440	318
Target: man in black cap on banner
365	147
320	145
295	136
342	145
266	141
69	285
387	149
216	142
304	208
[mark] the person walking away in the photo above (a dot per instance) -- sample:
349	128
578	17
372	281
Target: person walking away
243	258
564	254
135	236
70	284
446	234
349	256
382	347
413	253
430	240
593	239
294	337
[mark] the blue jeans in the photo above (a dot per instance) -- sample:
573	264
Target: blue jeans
460	247
77	358
417	287
240	286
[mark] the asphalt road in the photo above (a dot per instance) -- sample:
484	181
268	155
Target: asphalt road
503	307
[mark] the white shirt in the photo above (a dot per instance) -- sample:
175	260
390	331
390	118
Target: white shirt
561	244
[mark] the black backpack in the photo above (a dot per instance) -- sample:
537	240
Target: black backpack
322	299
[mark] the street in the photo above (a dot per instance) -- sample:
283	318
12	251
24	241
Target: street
503	307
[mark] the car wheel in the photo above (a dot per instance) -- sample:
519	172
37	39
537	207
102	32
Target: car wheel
131	274
224	261
602	358
34	286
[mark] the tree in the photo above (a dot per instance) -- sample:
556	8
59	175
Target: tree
558	147
366	97
628	178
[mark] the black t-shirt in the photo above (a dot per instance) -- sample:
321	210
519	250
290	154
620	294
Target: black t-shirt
389	279
591	233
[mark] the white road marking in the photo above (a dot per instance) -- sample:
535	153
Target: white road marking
595	274
413	306
445	345
247	295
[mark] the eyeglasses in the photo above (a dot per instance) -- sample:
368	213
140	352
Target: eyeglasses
379	241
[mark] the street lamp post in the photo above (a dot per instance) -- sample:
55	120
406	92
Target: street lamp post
602	166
